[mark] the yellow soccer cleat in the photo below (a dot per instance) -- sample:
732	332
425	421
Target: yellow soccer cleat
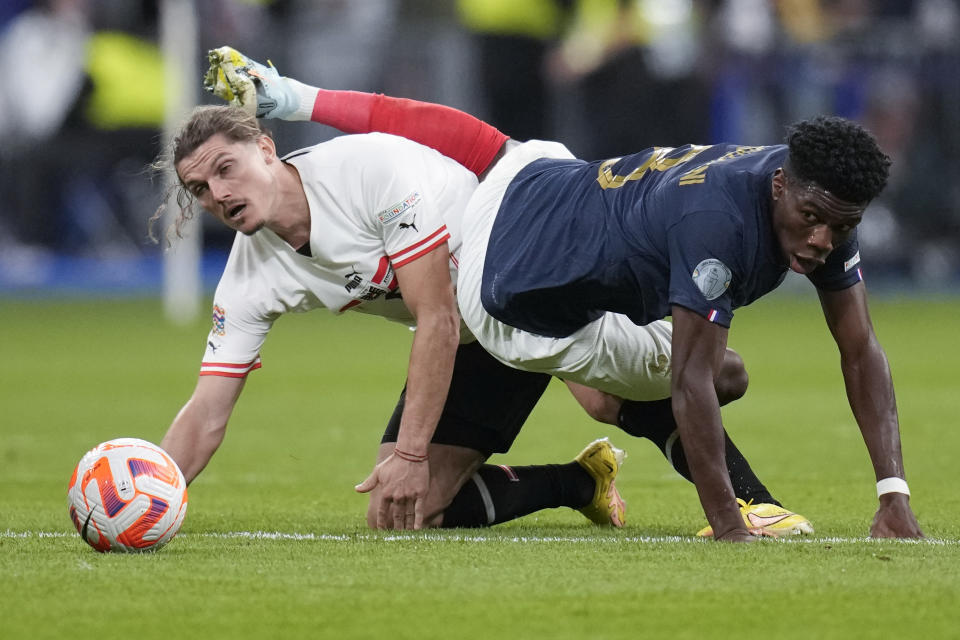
769	519
602	461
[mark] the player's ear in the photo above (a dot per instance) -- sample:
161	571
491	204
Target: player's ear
268	148
778	184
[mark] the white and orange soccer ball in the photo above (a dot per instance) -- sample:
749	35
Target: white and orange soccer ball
127	495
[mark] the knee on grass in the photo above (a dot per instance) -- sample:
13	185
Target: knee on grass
733	380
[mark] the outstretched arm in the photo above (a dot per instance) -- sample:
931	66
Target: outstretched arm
698	350
866	375
199	428
260	89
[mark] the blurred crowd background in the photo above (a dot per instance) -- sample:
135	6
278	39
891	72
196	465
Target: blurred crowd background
82	98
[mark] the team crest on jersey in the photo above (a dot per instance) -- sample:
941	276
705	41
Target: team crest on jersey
397	210
219	320
712	277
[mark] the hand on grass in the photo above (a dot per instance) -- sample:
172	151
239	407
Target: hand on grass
736	535
895	519
403	489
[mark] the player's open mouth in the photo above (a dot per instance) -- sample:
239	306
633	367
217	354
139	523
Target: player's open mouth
237	210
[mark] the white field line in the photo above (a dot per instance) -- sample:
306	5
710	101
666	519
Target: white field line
480	539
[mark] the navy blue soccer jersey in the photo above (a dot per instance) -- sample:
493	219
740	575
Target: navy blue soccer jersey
688	226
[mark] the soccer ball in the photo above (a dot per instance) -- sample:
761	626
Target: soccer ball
127	495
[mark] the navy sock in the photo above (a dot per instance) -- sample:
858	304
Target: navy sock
498	493
654	420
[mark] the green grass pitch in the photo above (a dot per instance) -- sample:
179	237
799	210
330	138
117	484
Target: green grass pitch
275	546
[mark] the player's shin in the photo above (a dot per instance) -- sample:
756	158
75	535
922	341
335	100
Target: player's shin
498	493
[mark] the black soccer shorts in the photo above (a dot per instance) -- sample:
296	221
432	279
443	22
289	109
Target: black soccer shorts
486	406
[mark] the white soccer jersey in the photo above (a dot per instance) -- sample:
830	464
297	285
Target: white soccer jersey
377	202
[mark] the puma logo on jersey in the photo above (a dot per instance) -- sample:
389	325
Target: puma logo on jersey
410	225
354	280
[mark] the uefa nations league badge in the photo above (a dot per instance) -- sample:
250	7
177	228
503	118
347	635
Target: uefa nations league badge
712	277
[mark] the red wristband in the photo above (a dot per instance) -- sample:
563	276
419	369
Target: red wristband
409	457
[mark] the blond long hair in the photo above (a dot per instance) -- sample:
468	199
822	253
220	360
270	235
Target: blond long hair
202	124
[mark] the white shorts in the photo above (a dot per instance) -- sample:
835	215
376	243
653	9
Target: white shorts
611	353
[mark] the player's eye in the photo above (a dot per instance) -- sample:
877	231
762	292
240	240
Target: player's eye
810	216
199	189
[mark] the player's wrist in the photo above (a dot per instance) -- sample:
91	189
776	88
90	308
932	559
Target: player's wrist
892	485
410	456
302	97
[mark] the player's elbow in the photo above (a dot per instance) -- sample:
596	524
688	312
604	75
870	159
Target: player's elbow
194	437
864	350
451	324
688	395
207	439
212	434
443	326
